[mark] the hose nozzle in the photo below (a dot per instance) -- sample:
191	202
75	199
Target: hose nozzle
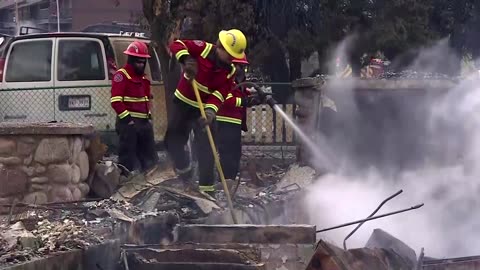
270	101
265	93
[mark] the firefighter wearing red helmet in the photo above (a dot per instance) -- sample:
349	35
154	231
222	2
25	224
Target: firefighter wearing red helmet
130	98
231	119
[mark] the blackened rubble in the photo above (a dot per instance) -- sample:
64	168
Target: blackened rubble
53	228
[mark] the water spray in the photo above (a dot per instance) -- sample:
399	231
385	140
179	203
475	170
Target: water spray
266	96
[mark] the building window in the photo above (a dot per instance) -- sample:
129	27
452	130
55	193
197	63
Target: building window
80	60
24	13
30	61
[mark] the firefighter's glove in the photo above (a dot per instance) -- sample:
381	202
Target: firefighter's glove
251	101
190	67
210	114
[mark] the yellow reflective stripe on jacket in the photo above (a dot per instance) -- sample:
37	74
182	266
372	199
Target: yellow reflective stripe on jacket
129	99
347	72
136	99
181	42
232	72
139	115
116	99
211	106
229	120
229	96
123	114
183	98
206	51
206	188
125	73
218	95
181	53
201	87
238	102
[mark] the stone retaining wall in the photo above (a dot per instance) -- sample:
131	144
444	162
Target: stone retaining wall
37	167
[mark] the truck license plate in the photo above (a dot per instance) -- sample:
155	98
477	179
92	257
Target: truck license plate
74	102
78	102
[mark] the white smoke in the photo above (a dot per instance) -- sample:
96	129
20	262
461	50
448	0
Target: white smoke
448	184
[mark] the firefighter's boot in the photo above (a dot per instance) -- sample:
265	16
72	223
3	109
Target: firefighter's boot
209	195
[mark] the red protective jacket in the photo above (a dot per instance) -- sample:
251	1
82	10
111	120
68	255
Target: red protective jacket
130	94
213	82
234	109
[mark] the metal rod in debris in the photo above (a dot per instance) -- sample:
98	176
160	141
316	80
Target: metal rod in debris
371	215
371	218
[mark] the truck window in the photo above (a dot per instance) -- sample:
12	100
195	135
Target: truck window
30	61
80	60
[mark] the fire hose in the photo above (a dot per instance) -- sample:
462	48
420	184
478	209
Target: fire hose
215	153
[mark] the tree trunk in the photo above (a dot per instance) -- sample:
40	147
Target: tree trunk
165	63
295	63
275	66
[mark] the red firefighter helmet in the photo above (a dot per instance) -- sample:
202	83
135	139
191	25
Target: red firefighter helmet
242	61
137	49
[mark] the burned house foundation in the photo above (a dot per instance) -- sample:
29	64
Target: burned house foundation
150	223
155	227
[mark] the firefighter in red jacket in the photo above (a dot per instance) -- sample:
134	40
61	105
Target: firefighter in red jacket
210	67
131	101
231	119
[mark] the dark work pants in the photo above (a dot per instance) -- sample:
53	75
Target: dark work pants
136	145
184	118
230	148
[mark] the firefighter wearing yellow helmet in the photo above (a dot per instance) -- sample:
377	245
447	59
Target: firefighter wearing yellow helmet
210	67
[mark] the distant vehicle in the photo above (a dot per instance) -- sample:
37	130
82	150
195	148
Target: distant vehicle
126	29
66	77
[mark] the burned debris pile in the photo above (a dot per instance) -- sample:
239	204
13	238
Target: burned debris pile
157	202
20	244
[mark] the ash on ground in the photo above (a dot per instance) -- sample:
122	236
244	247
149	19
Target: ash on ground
48	229
47	237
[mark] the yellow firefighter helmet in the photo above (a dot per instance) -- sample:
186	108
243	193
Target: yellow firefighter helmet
234	42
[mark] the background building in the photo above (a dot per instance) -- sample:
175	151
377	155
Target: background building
74	15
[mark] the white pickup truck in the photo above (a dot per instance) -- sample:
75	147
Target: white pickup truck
66	77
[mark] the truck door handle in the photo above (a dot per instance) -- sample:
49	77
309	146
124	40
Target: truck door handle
88	115
16	116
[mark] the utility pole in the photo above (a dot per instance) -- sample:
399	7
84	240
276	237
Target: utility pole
17	23
58	16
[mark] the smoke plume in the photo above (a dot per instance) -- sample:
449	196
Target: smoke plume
429	151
